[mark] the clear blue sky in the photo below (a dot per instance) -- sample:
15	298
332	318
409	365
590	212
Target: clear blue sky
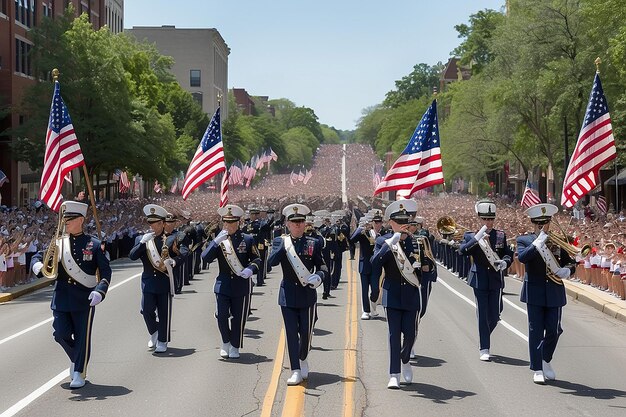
337	57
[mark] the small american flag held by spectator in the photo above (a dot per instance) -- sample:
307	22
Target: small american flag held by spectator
530	197
601	203
124	182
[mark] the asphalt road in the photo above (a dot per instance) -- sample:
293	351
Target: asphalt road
349	360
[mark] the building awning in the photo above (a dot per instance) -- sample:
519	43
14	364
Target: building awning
621	179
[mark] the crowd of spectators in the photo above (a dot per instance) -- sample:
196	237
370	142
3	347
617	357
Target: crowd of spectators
26	230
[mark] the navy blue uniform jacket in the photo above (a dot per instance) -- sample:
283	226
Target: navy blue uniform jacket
226	282
154	281
482	275
397	292
538	289
292	293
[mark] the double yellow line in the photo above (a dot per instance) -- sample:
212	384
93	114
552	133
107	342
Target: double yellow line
295	395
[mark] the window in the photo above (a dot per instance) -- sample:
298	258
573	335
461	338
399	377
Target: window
4	7
198	97
194	78
25	12
22	57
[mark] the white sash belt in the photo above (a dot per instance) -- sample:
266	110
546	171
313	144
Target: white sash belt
404	265
231	257
72	268
302	272
155	259
492	257
549	259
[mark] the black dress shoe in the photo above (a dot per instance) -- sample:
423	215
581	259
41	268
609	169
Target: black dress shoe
324	296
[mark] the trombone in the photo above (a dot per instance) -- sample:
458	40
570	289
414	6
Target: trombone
51	257
447	226
561	240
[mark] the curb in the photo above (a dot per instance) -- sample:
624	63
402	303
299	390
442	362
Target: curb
21	290
611	308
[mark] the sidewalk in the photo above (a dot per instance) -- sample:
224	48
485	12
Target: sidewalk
19	290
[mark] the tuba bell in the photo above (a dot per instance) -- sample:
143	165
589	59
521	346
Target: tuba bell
50	260
446	226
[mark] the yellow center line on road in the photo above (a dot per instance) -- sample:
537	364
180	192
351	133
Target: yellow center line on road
349	361
270	394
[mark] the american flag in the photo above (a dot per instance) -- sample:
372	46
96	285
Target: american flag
174	187
116	175
307	176
419	165
293	177
209	158
62	152
601	203
273	155
157	187
378	174
594	148
235	173
530	197
3	178
224	190
124	182
300	175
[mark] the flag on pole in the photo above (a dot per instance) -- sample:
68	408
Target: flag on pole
601	203
124	183
209	158
301	175
293	177
419	165
157	187
62	153
530	197
594	148
3	178
174	187
224	190
273	155
307	176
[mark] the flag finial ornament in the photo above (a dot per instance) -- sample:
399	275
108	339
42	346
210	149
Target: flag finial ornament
597	61
55	74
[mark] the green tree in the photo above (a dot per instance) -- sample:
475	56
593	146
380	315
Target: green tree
475	50
303	117
419	83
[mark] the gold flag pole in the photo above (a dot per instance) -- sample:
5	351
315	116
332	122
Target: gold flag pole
55	77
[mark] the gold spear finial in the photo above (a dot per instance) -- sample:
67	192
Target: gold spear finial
598	61
219	98
55	74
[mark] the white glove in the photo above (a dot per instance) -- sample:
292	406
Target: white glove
563	273
221	236
501	265
314	281
395	238
246	273
481	233
147	237
37	266
170	262
95	297
541	239
416	265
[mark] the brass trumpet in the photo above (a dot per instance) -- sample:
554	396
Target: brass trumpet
50	260
447	226
562	241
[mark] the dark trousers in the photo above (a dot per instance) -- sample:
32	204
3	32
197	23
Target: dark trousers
299	331
425	289
544	329
401	323
327	277
178	278
72	330
161	304
188	268
262	272
488	308
365	291
336	274
231	329
197	260
352	249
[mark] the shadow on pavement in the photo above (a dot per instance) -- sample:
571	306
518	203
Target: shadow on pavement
581	390
253	334
92	392
505	360
321	332
248	359
319	379
175	353
436	394
427	362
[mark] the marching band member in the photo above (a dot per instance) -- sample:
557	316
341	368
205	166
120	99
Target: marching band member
492	257
170	229
401	287
157	279
77	290
365	235
232	249
543	290
300	257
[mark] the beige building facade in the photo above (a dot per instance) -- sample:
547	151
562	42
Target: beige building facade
200	61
